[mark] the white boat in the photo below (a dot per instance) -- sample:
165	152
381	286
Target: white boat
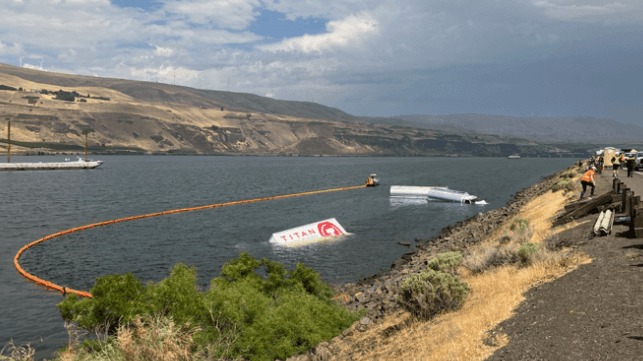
434	193
515	156
79	164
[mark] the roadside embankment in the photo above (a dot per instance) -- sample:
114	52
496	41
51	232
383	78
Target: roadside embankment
376	293
495	275
592	313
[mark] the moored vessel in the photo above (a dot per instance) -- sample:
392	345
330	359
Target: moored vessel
79	164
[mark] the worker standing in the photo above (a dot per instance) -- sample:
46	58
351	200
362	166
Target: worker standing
588	180
616	164
631	162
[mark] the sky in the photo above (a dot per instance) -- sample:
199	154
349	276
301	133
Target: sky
369	58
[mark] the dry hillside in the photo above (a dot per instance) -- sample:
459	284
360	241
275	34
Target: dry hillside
50	112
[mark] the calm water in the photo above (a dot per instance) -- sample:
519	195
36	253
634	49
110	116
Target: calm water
35	204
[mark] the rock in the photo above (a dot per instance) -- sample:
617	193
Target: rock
364	321
322	353
408	244
348	332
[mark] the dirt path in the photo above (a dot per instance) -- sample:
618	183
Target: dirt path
592	313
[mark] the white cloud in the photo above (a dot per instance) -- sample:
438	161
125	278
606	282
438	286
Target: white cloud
165	74
35	67
163	51
14	49
350	31
226	14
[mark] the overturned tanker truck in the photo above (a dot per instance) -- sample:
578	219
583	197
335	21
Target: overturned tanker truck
432	193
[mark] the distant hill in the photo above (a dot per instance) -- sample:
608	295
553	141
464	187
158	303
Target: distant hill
50	112
569	129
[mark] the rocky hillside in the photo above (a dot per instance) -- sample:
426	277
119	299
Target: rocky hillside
50	112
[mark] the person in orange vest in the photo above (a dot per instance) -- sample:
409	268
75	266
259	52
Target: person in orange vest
588	180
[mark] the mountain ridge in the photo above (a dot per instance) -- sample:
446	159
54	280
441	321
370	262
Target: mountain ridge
51	111
567	129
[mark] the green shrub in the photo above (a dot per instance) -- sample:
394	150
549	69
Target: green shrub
115	298
430	292
299	322
446	262
241	315
568	174
566	185
519	224
526	250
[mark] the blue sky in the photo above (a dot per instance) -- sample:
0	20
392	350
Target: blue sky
375	58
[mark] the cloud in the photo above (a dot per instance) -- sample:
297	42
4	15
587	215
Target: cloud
35	67
165	52
581	10
224	14
165	74
350	31
14	49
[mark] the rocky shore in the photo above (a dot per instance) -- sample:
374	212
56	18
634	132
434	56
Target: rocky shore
377	293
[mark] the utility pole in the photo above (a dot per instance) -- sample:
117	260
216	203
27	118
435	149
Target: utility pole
174	79
86	145
9	142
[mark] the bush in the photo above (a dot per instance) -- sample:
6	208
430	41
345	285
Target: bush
526	251
430	292
523	236
446	262
568	174
519	224
242	315
566	185
482	259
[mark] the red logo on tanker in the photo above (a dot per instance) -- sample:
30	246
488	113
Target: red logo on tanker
327	229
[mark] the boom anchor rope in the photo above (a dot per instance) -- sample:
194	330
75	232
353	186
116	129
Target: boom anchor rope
66	290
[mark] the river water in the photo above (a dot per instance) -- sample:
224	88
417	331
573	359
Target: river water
37	203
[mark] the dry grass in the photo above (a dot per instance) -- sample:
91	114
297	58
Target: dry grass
539	212
464	334
158	339
17	353
467	334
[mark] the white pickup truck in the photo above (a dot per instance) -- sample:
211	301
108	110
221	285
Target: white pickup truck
639	161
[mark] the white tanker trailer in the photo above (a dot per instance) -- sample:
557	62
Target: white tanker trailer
434	194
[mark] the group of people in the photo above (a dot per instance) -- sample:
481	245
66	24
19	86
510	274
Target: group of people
618	161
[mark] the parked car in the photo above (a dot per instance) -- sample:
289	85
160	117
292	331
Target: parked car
639	161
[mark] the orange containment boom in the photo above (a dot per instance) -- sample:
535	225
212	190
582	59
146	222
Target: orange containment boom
64	290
